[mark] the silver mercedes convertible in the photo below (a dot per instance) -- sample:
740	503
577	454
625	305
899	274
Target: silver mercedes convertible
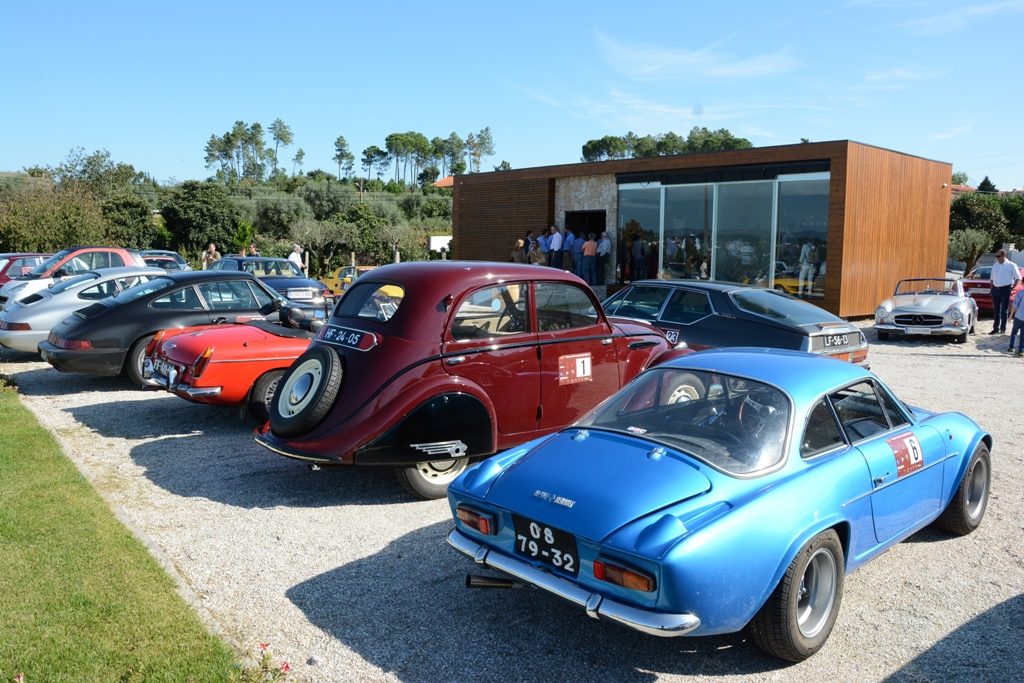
927	306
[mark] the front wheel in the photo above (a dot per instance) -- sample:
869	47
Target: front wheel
961	338
430	479
964	512
799	615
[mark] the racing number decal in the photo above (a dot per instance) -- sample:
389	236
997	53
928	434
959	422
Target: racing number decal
574	368
909	456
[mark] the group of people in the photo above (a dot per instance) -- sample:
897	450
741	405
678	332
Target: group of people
211	255
584	255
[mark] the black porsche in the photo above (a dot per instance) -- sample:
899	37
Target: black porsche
110	336
716	314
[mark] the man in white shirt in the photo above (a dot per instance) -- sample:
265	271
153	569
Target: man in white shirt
1005	274
296	255
555	248
604	248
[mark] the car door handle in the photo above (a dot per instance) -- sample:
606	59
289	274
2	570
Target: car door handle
455	360
607	342
219	321
642	344
878	481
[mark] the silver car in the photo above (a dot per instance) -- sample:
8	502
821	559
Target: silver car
927	306
26	322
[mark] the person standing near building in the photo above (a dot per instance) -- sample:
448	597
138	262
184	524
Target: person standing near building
604	250
210	256
808	257
577	255
588	253
1005	274
568	244
296	255
555	248
519	253
1017	315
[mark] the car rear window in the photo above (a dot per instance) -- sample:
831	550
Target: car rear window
781	307
370	301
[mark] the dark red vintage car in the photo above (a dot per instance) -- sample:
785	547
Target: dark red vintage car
423	366
228	364
978	286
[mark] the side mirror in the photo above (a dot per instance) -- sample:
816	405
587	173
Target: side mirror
274	305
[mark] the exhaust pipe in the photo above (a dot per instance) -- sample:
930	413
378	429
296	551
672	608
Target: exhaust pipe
482	581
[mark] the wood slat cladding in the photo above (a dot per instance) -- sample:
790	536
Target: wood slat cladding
489	216
896	225
888	212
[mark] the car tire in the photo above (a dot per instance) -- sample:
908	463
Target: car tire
262	395
960	338
683	388
136	357
965	510
883	335
429	479
799	615
306	393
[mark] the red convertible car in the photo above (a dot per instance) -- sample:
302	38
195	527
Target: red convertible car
978	286
423	366
229	364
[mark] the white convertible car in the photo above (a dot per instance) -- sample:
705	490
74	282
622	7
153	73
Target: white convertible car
927	306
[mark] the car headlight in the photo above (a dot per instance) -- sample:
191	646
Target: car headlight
955	314
881	312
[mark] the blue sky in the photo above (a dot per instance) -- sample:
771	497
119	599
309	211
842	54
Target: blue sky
150	82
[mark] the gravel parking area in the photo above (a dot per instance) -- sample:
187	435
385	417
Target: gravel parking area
350	580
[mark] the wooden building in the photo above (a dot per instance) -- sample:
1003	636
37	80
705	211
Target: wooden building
836	222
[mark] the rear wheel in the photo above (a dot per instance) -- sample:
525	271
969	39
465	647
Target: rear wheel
797	619
262	394
964	512
430	479
136	357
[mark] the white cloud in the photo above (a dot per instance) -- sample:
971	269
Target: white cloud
654	63
962	17
958	131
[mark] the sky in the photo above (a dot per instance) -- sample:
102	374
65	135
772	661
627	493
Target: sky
151	82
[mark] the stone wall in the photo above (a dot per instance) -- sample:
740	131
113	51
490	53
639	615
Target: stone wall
590	193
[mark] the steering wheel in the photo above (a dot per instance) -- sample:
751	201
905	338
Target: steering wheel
761	411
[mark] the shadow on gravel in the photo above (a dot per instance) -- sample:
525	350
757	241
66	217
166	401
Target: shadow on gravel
406	609
987	648
47	381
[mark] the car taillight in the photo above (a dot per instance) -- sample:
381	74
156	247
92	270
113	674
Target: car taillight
859	356
477	520
16	327
623	576
155	342
200	365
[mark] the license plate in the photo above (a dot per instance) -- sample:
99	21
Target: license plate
834	340
547	544
917	330
979	290
300	294
163	367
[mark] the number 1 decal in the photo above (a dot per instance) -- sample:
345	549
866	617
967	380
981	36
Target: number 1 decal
574	368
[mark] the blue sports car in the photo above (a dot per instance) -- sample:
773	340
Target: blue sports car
727	488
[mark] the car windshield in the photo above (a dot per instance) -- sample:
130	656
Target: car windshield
48	263
926	286
272	268
71	282
733	424
983	273
779	306
371	301
138	291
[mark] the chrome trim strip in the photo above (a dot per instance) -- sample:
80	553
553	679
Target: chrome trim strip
196	392
286	454
595	604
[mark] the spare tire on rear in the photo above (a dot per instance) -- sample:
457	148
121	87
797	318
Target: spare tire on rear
306	393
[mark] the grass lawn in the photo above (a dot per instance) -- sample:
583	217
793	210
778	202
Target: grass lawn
81	599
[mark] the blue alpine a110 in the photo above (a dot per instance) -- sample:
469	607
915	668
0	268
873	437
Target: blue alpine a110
723	489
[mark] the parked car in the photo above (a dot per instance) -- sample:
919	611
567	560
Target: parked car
230	364
721	314
978	286
461	360
25	323
744	506
160	259
68	263
342	278
925	307
16	264
281	274
110	336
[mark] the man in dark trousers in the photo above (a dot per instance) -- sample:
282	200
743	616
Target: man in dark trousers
1005	274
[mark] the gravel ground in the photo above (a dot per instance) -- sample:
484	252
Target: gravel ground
350	580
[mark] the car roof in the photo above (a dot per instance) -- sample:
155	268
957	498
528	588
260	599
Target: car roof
126	270
199	275
707	285
17	254
804	376
436	279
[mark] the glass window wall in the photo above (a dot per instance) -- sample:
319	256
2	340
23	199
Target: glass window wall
743	233
686	243
639	232
802	237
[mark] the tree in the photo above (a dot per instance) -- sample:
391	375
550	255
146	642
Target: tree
959	178
976	211
503	166
197	213
50	218
300	154
968	246
986	185
130	221
342	155
484	146
281	134
1012	206
454	154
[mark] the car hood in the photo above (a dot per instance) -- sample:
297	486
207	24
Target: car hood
923	303
593	483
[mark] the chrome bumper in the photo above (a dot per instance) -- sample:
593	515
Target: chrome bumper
596	605
941	330
156	379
